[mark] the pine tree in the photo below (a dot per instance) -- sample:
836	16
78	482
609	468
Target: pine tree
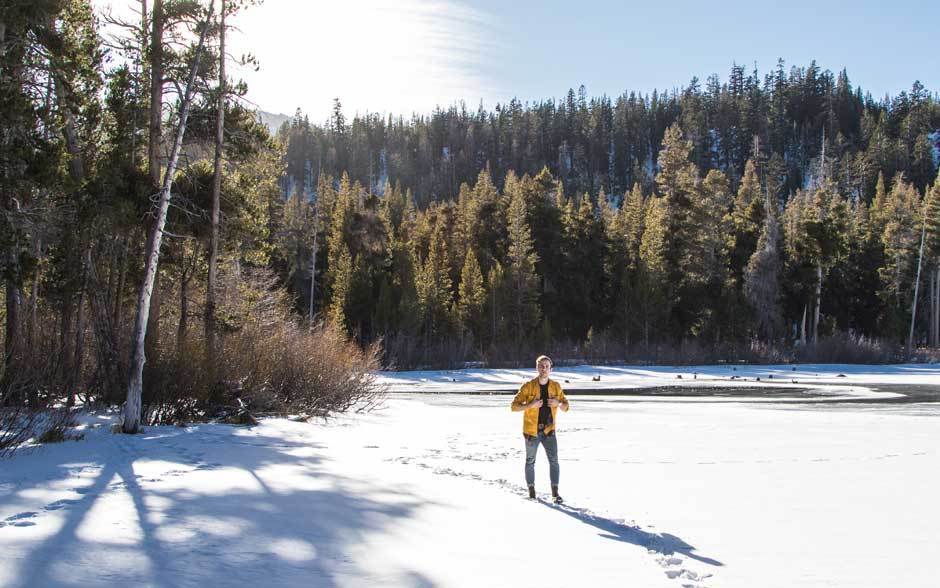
748	221
433	286
343	275
933	256
472	299
624	234
899	237
338	237
497	303
857	280
677	183
762	279
522	279
489	224
707	270
652	274
826	228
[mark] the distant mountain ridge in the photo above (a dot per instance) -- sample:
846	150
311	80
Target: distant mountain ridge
271	120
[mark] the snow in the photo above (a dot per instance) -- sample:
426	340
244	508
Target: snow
691	489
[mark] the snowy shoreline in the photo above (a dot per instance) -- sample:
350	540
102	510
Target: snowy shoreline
831	382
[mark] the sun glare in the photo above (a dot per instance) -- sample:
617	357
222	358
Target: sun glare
375	56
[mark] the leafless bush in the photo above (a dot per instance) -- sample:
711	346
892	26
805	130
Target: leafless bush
16	427
55	425
848	348
316	372
268	362
178	386
926	355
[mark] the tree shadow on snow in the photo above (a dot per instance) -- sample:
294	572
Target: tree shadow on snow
251	532
663	543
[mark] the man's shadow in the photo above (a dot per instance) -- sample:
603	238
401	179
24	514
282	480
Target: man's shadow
663	543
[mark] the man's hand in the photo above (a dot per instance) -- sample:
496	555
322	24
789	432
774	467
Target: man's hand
537	403
552	402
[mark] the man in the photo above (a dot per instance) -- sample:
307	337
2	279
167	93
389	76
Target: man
540	399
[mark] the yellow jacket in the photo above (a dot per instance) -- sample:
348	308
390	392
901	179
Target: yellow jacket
527	393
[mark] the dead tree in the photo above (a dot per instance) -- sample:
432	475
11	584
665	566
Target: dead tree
132	408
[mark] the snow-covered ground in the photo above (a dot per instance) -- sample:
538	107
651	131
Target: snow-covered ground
670	491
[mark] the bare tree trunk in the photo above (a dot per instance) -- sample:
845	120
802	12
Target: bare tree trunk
211	343
313	265
187	272
118	312
65	329
803	328
105	335
156	94
152	337
141	57
819	278
34	295
76	162
154	147
920	259
132	407
936	302
75	374
626	320
14	297
932	310
183	327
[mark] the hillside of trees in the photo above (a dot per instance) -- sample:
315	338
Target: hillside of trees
158	247
745	217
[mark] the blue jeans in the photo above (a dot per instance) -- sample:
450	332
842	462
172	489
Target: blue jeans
550	443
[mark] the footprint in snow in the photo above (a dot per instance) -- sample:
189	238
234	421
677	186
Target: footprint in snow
60	504
19	520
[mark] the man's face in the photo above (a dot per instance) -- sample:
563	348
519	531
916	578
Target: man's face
545	368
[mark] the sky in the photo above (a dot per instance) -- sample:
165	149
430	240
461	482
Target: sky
407	56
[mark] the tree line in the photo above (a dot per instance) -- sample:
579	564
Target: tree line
797	114
750	214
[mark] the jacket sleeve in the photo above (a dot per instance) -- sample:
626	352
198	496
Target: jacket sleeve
520	398
561	396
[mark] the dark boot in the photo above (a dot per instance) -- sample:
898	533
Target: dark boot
532	492
555	496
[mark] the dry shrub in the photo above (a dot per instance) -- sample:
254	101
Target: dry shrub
177	386
849	348
16	427
316	372
55	425
40	373
409	352
268	362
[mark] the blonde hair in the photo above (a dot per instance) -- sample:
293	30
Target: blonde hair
542	358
